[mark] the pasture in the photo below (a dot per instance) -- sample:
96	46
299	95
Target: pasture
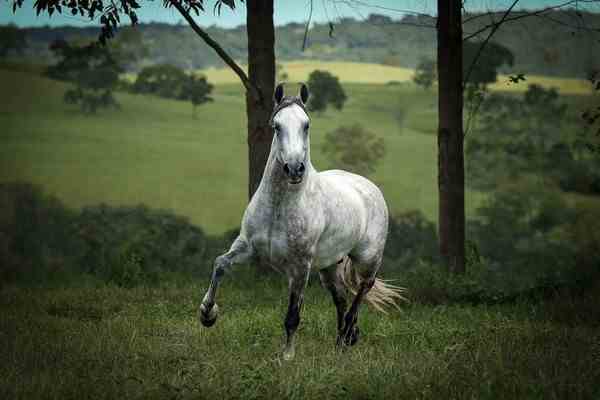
147	343
101	341
153	152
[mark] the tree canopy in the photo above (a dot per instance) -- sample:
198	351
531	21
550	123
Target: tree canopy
425	73
325	89
12	39
93	71
483	69
353	148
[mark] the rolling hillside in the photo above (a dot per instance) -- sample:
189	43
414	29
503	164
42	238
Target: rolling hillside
153	152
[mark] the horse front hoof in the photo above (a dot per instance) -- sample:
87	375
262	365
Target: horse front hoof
289	354
208	317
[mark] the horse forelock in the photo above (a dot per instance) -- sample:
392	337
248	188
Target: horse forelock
286	102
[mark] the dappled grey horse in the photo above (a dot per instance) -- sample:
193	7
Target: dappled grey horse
300	219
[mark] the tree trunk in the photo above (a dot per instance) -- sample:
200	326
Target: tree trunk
261	73
451	176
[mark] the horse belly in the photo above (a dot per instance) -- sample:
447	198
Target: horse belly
332	248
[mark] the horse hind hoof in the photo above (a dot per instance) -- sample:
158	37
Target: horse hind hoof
208	317
352	339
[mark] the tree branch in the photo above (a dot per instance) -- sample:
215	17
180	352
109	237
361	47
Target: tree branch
520	16
485	42
253	90
307	27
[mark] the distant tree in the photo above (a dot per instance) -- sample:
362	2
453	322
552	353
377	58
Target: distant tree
353	148
325	89
591	117
162	80
485	70
92	70
425	73
525	137
197	90
280	73
128	47
11	39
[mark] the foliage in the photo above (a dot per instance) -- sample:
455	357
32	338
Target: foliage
93	71
162	80
353	148
128	48
404	40
521	230
36	236
411	239
591	117
516	137
172	82
197	89
425	73
12	39
280	74
128	246
484	70
325	89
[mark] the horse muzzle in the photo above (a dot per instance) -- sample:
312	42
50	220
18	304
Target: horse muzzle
295	171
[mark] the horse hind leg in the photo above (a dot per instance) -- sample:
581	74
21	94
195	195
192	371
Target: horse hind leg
359	281
334	283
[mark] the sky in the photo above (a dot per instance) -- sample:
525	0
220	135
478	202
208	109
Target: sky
285	11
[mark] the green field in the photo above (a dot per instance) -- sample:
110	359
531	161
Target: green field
110	343
153	152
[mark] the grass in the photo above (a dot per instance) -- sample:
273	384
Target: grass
356	72
146	343
153	152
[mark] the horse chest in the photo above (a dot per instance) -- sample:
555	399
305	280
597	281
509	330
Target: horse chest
283	236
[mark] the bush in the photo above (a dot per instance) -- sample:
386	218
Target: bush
41	239
36	235
162	80
353	148
411	238
325	89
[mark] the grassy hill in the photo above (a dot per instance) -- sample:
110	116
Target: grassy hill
355	72
153	152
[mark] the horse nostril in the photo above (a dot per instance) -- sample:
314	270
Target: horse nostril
286	168
301	168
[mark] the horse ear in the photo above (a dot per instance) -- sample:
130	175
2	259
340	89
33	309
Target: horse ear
304	93
278	93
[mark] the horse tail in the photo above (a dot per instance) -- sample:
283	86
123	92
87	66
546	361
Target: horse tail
382	294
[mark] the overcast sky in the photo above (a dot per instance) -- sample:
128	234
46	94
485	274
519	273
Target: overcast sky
285	11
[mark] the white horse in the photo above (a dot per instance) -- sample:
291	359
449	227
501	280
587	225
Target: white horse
300	219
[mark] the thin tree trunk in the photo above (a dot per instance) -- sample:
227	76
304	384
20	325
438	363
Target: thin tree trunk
261	73
451	176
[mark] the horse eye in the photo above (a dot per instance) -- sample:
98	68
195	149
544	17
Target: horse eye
306	127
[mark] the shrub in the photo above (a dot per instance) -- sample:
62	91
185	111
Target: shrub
411	238
36	234
325	89
353	148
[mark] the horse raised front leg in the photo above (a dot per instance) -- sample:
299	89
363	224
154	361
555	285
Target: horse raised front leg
298	279
239	252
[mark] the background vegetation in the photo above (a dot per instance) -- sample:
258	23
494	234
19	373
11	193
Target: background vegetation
109	224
